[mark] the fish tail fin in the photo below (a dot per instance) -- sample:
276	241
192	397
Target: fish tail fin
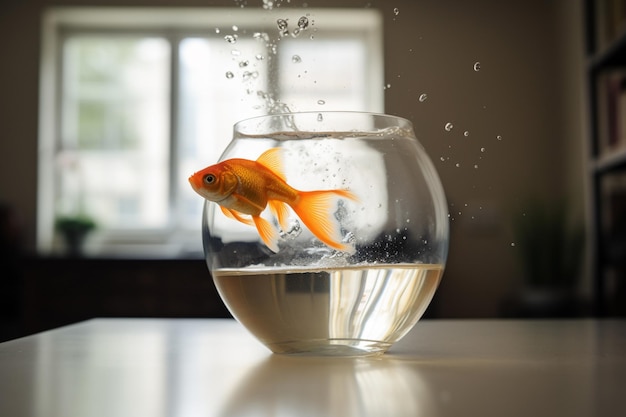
267	232
315	210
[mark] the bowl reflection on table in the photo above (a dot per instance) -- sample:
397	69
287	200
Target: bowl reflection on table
304	296
352	387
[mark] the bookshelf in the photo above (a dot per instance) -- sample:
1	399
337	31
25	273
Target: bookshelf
606	82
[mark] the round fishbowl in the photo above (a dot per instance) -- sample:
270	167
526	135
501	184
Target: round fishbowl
326	233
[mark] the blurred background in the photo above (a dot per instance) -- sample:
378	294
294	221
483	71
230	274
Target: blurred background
104	112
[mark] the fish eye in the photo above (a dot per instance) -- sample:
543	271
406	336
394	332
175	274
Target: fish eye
209	179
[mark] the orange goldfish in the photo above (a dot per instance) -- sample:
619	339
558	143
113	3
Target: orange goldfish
244	187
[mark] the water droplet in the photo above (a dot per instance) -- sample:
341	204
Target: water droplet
244	63
235	28
457	165
320	118
296	59
499	137
442	159
423	97
387	86
512	243
217	30
321	102
482	149
282	24
231	38
262	36
250	74
303	23
396	11
476	66
448	126
466	133
259	57
475	166
229	75
235	52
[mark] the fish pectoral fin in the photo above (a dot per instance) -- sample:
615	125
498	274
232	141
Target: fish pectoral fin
315	211
280	211
267	232
230	213
272	159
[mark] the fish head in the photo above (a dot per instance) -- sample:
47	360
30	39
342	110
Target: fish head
214	183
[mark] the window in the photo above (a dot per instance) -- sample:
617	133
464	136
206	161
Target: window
135	100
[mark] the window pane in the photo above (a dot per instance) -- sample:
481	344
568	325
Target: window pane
210	102
113	162
324	74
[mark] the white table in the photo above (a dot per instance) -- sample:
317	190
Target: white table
197	367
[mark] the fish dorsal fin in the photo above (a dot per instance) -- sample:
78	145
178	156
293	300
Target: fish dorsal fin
272	159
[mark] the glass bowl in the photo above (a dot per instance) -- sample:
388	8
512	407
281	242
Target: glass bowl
326	233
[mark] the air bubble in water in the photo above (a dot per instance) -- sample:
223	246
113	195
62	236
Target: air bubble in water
476	66
282	24
457	165
499	137
303	23
320	118
321	102
235	28
217	30
229	75
259	57
448	126
423	97
482	149
296	59
244	63
475	166
293	230
466	133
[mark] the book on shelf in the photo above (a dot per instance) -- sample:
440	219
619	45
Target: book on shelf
610	21
614	207
611	112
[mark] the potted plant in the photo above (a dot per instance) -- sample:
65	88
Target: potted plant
74	230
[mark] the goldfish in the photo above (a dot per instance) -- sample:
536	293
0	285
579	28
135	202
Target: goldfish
244	188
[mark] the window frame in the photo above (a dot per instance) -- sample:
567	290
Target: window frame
174	24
